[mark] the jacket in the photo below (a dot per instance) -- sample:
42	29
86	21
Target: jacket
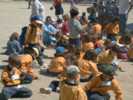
95	85
8	78
87	68
57	65
72	92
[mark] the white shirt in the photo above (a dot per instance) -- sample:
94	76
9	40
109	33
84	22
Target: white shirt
123	6
37	9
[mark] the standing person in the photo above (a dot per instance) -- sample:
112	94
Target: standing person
37	9
58	8
75	28
123	13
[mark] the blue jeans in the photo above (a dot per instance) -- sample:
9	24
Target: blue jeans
13	92
123	22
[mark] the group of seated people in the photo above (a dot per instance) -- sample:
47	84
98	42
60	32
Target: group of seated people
85	52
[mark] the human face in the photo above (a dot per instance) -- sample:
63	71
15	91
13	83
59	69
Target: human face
35	24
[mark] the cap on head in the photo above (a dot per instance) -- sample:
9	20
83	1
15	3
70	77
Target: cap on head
107	69
60	50
37	19
72	71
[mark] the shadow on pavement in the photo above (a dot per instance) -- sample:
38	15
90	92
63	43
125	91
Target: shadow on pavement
2	97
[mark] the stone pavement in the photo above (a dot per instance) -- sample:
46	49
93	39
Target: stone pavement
15	15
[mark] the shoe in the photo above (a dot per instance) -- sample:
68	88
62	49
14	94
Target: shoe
45	90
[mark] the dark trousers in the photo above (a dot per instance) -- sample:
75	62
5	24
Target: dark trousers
75	42
97	96
54	85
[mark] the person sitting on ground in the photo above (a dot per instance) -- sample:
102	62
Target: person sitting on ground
96	27
57	65
83	19
24	61
100	86
112	29
87	45
109	55
70	88
13	45
49	31
99	45
62	40
11	78
26	68
88	67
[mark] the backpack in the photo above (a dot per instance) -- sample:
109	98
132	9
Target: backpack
22	35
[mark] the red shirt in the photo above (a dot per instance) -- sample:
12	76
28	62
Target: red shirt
65	28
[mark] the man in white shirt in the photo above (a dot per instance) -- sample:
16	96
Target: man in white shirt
124	6
37	9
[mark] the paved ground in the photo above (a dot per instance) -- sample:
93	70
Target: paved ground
14	15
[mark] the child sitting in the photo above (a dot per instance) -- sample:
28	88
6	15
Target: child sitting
99	87
113	29
57	64
70	88
11	77
87	66
13	45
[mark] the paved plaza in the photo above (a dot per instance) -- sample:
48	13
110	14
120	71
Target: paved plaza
14	15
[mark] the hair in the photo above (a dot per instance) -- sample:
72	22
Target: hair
83	14
116	19
74	12
90	55
14	36
66	17
48	17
